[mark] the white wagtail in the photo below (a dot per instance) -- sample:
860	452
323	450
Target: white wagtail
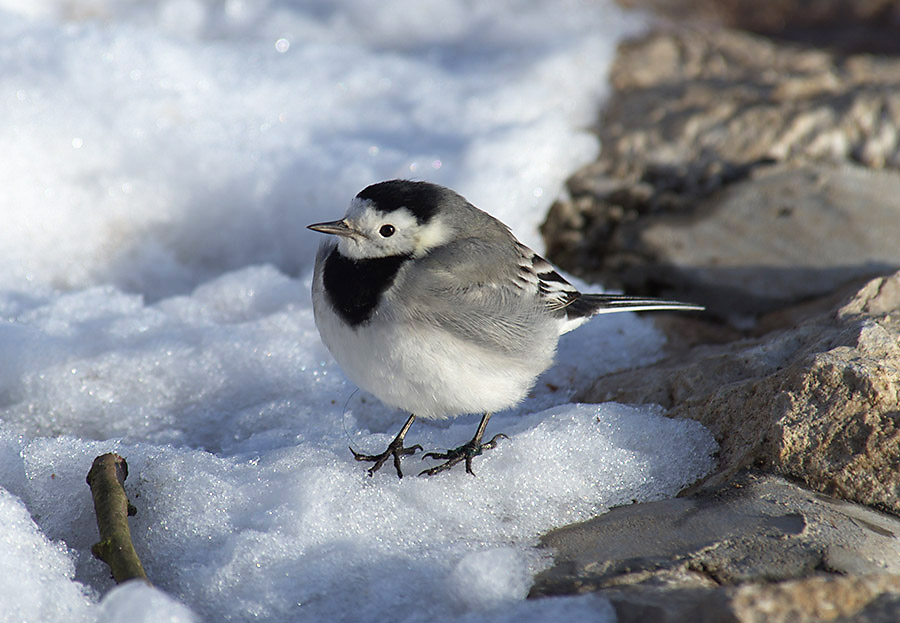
434	307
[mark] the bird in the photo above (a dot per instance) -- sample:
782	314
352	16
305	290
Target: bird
435	308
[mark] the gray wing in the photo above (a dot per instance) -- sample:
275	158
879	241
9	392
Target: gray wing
482	290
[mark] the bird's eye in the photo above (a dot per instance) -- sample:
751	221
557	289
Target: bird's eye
386	231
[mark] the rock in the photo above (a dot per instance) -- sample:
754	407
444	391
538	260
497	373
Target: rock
786	234
819	401
698	102
762	179
758	548
852	598
846	25
718	150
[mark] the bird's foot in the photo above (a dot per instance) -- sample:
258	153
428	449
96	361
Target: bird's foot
395	449
465	452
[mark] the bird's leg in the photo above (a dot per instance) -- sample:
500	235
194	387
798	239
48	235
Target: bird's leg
395	449
465	452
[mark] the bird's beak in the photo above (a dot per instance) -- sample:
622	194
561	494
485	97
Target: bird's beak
339	228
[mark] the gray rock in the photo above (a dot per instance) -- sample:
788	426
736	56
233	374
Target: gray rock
762	179
728	554
757	527
786	234
847	25
733	172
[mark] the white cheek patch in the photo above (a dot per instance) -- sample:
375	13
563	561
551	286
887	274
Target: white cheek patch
432	235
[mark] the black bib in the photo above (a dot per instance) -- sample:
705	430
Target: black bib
354	287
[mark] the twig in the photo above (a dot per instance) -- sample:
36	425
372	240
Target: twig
106	480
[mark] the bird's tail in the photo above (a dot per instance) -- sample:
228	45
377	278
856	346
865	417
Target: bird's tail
588	305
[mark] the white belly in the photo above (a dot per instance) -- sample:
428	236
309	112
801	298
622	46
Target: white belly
426	371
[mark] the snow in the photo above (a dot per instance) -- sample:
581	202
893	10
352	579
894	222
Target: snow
161	161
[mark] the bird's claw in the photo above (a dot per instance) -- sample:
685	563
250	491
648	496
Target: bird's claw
394	449
465	452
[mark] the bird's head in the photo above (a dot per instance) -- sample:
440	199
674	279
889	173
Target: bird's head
394	218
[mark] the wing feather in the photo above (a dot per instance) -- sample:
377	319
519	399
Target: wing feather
477	290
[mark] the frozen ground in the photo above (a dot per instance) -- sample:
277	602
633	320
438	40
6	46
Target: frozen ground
160	162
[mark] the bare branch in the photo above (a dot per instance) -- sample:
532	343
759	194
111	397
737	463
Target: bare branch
106	480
